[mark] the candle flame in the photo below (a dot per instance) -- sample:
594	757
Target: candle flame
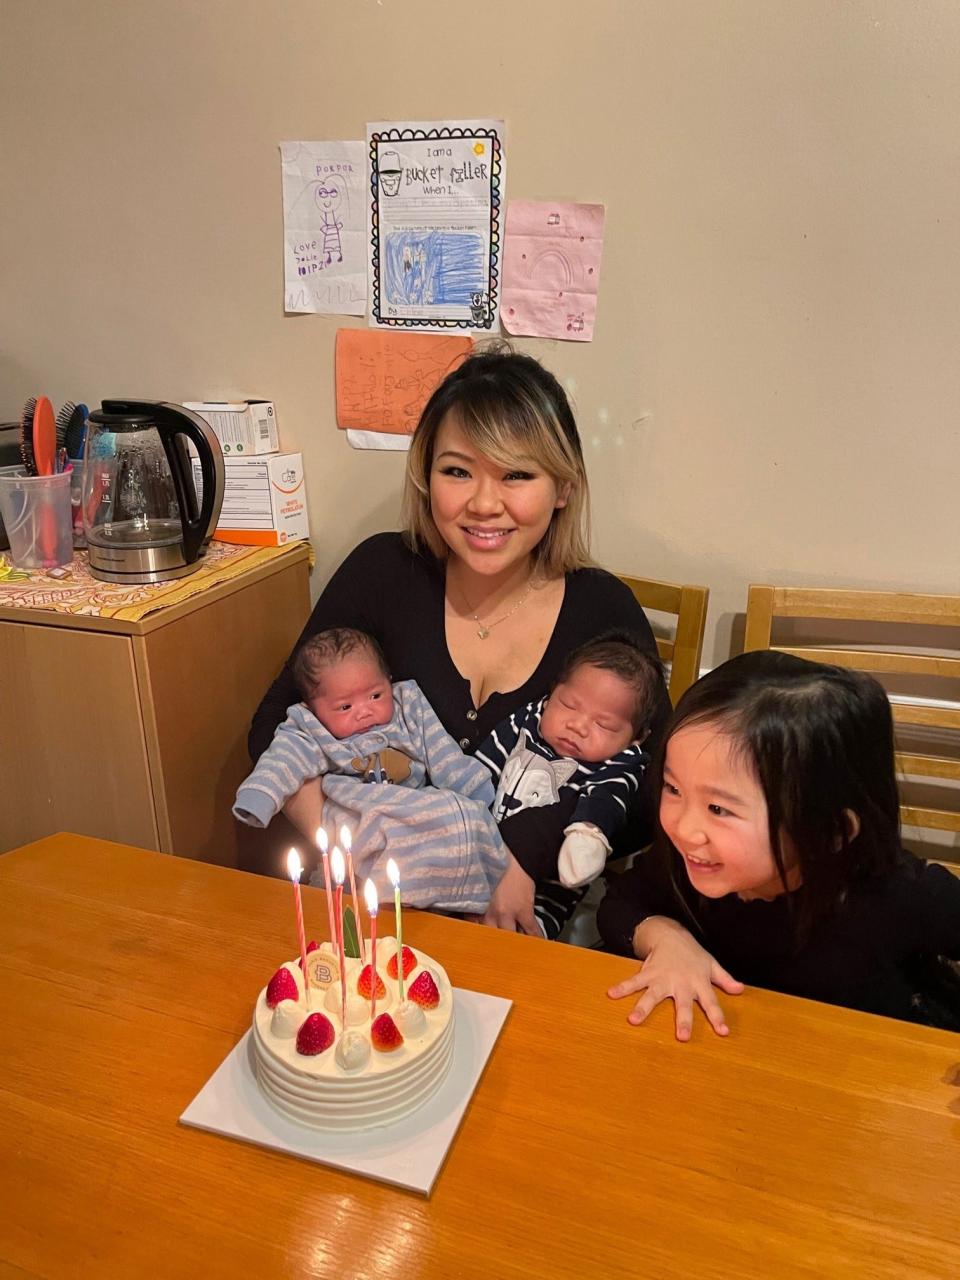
370	896
322	840
393	873
345	838
337	866
294	865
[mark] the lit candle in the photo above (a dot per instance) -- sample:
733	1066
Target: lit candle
294	870
370	894
322	843
347	842
393	875
336	866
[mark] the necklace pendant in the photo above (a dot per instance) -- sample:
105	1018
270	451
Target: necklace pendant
482	632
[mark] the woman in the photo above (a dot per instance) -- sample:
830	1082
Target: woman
490	586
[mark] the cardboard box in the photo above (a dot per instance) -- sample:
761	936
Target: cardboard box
243	427
264	500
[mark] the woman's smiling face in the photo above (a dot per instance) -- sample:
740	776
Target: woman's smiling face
715	814
491	517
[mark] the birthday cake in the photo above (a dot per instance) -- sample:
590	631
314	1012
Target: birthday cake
371	1072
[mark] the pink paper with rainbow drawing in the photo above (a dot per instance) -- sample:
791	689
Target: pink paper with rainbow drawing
551	269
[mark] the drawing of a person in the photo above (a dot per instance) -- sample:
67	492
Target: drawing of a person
390	173
415	293
420	269
329	197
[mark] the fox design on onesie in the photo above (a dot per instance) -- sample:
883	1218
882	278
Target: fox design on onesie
529	781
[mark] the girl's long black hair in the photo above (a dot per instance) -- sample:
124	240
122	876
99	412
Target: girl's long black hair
819	740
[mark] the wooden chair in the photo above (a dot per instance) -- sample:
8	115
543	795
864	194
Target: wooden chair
765	604
689	605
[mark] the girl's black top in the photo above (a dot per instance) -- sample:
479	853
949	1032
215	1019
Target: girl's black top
873	952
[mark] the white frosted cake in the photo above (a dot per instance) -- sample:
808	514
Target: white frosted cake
373	1073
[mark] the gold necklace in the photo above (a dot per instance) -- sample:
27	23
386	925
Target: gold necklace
483	630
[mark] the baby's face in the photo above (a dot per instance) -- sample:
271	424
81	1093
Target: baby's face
353	695
589	716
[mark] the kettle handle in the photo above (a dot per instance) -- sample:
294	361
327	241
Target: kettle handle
174	422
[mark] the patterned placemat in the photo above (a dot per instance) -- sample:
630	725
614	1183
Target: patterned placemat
74	589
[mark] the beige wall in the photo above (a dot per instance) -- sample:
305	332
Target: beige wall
773	391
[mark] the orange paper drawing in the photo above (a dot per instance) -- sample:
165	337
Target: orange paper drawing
385	379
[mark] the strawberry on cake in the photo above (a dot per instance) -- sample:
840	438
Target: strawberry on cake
364	1074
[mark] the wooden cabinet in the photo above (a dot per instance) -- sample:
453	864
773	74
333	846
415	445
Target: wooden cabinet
136	731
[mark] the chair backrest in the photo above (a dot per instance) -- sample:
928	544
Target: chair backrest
765	604
689	605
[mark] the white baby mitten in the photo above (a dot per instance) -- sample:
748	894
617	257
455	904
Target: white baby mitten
582	854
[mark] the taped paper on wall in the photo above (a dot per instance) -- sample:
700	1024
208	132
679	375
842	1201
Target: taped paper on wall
385	379
436	194
377	440
551	269
324	227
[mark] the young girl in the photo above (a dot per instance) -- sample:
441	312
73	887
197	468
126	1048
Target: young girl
779	857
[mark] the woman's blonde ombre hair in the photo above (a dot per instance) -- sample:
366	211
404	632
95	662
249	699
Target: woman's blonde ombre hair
510	408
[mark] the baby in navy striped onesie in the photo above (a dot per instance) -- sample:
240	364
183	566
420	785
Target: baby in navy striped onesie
568	769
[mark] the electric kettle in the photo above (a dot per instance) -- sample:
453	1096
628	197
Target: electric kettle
140	509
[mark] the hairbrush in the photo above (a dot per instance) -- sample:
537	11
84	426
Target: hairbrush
44	438
26	436
38	449
63	421
76	432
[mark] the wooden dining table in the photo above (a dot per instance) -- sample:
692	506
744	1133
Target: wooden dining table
812	1142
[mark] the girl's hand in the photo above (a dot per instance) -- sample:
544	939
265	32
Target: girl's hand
675	968
511	906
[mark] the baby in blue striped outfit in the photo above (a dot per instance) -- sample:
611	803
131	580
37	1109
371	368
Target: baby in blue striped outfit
354	727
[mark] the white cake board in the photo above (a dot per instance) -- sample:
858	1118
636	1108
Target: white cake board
408	1153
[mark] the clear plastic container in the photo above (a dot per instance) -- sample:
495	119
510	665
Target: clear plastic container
76	501
37	517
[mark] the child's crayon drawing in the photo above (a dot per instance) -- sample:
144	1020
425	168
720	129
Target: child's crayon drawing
324	198
434	225
551	269
384	379
427	267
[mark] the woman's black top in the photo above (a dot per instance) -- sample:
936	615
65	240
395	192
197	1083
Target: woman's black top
397	596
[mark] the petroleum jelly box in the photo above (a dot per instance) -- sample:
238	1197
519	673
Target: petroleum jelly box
264	500
243	427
